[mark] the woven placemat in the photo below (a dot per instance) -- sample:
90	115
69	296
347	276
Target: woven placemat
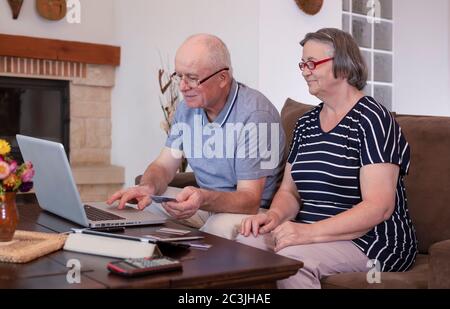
27	246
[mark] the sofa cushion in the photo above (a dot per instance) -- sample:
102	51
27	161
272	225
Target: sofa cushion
427	185
440	265
292	110
415	278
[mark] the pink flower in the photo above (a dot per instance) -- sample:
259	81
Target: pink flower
12	166
27	175
4	170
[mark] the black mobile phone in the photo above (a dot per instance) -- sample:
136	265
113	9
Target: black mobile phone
143	266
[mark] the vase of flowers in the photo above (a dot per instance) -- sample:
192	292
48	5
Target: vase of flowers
14	178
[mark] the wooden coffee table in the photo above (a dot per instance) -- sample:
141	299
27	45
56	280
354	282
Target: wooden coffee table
226	264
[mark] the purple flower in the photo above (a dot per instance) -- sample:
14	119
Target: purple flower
26	186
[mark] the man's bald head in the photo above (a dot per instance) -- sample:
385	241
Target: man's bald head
205	50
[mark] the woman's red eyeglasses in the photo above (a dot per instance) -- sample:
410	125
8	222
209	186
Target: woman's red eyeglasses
311	65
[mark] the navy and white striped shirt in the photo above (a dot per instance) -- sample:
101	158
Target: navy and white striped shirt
326	167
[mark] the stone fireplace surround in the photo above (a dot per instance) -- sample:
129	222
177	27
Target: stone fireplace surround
90	70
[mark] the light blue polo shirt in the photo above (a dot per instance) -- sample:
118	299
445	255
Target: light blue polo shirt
246	141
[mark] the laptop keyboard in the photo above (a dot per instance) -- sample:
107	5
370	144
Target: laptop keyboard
95	214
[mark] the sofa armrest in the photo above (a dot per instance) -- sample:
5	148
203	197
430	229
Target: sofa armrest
137	180
180	180
439	261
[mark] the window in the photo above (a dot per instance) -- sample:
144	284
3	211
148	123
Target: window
371	24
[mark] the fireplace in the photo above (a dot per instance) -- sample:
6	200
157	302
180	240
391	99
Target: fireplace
61	91
34	107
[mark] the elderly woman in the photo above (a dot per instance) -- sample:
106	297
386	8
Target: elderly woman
341	206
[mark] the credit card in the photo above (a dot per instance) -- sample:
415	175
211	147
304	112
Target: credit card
173	231
162	199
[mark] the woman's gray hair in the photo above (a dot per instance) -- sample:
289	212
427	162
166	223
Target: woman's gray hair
348	62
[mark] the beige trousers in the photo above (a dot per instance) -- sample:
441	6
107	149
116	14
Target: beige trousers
320	260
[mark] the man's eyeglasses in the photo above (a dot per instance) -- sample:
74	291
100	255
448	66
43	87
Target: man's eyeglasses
192	82
311	65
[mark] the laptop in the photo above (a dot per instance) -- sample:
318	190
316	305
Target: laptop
57	193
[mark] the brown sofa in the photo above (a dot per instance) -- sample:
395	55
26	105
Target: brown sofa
428	193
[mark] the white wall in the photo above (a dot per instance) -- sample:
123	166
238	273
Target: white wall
282	26
97	23
263	37
421	66
148	27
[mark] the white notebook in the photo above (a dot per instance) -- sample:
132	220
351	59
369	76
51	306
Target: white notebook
107	246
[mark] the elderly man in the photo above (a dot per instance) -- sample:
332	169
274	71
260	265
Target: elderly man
229	133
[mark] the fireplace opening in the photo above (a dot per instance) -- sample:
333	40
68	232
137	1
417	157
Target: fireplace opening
34	107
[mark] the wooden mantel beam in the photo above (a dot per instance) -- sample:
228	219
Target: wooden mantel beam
49	49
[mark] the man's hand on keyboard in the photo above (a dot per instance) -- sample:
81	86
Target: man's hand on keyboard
140	193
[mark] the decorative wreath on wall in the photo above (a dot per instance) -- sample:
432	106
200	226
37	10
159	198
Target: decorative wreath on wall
311	7
52	9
